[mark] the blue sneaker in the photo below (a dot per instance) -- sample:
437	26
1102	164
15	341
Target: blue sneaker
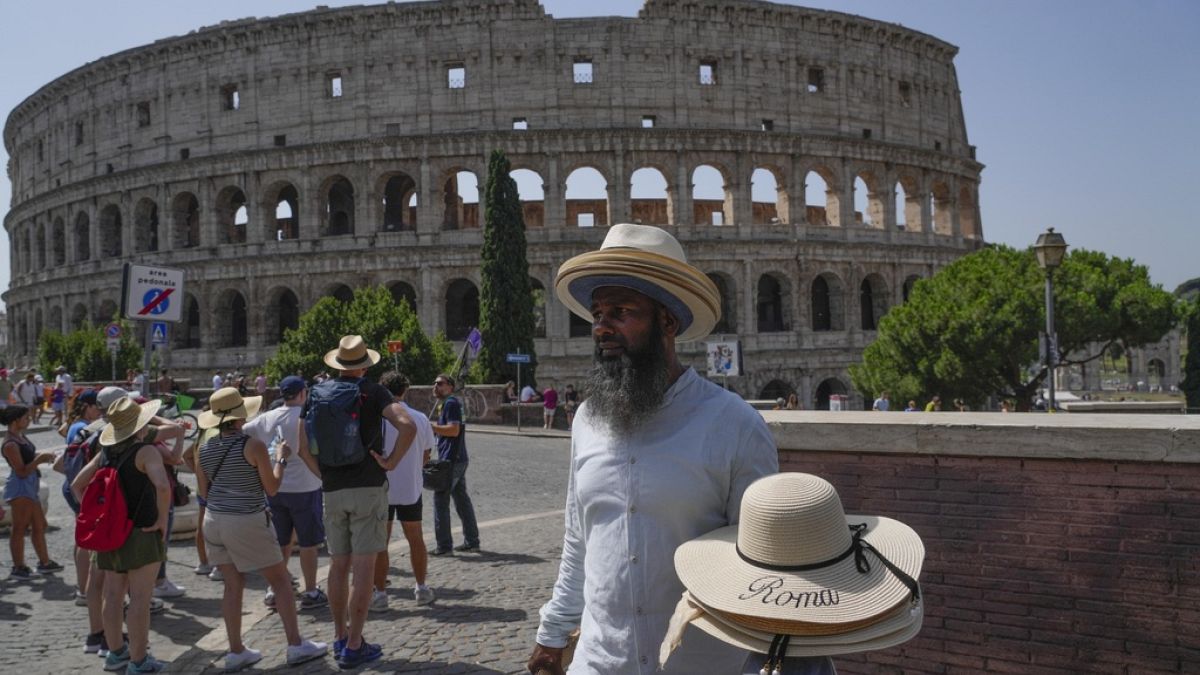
117	659
353	658
339	646
148	665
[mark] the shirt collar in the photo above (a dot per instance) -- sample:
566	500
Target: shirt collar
686	380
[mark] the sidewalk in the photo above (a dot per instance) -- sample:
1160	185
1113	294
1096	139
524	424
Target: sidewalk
533	431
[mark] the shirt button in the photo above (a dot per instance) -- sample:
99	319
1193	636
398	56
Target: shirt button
639	611
644	659
633	509
633	460
633	558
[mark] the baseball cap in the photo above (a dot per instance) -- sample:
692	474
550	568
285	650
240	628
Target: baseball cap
89	397
291	385
110	395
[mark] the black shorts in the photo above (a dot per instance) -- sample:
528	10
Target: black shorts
405	513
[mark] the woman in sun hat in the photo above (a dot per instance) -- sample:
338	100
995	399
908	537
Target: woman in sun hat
797	578
235	474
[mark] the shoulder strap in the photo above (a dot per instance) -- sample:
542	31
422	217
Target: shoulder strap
212	481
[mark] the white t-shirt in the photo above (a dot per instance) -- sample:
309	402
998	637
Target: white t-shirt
279	424
527	394
66	381
218	381
139	383
404	481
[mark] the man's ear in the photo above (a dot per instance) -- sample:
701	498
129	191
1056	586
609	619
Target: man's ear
668	323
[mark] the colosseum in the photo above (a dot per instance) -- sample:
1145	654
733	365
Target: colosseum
284	159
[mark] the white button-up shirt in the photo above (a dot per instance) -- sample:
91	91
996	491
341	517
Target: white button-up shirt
631	502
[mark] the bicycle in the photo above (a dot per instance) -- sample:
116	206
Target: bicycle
171	410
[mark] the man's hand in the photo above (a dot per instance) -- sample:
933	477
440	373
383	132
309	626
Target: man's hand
383	461
545	661
284	450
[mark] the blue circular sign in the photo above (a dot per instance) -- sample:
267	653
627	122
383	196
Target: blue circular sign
151	296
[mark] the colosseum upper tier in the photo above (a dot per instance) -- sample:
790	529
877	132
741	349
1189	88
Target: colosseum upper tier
280	160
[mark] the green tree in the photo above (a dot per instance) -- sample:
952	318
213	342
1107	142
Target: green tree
374	315
1191	363
85	352
506	317
972	330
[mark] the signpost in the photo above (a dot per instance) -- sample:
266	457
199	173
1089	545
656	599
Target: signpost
152	294
518	358
112	335
394	348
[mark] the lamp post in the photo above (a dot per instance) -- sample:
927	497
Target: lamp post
1050	248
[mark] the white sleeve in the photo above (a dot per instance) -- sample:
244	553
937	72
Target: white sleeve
563	613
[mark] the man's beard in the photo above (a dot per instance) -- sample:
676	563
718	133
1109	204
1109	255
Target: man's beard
626	390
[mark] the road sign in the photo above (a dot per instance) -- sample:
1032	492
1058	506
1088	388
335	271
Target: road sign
114	344
112	331
158	333
152	293
517	358
395	346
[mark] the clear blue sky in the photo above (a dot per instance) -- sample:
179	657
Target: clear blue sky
1083	111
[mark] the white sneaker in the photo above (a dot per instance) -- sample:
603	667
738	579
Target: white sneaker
307	650
247	657
269	598
168	589
203	568
216	575
424	595
379	602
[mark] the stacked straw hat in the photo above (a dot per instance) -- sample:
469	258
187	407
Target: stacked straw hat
797	576
650	261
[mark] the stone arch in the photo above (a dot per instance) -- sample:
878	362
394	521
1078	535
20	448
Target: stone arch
538	290
822	199
39	327
727	288
712	200
1156	373
396	190
776	389
940	193
185	220
768	196
105	312
79	316
829	387
868	206
145	226
577	326
531	190
281	211
462	308
337	214
233	215
58	242
111	231
771	303
908	203
402	291
340	292
586	197
56	319
650	198
460	199
910	283
967	213
872	301
188	334
828	303
229	319
39	250
283	314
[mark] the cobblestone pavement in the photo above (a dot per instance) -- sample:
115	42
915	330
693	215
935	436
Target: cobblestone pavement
484	620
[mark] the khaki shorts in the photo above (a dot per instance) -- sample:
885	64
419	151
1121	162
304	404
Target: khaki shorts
356	520
245	540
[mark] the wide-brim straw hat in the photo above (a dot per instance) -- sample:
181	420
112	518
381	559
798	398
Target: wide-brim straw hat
351	354
125	418
797	564
227	404
647	260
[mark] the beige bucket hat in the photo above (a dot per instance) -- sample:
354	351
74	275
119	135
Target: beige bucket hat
797	576
351	354
227	404
650	261
125	418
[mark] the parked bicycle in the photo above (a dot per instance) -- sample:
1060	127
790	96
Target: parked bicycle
175	407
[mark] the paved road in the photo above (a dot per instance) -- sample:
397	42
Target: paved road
483	622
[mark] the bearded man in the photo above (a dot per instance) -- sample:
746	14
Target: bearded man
658	456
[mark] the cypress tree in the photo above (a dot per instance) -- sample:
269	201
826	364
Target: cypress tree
506	297
1191	365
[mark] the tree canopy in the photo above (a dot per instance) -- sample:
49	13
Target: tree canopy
506	317
971	331
1191	363
378	318
85	352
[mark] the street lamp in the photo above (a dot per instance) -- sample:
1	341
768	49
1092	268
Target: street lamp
1050	248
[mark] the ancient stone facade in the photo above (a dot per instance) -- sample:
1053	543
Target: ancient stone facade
281	160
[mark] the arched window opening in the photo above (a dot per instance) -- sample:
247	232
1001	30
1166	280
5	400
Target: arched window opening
145	225
776	389
185	215
39	249
110	231
56	317
232	216
872	301
188	335
339	208
39	327
728	322
539	307
1156	372
287	214
462	309
579	327
58	242
902	219
712	203
967	214
587	198
826	391
770	305
864	204
942	223
237	322
650	200
826	299
460	198
532	194
397	192
79	316
909	284
404	292
822	206
107	312
284	315
768	199
340	292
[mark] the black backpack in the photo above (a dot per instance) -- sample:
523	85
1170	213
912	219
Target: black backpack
332	422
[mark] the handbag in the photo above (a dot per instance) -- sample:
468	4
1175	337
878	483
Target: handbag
180	492
436	475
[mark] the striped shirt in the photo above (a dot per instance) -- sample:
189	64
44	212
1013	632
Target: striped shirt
237	488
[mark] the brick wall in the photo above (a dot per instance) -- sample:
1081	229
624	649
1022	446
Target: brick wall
1036	565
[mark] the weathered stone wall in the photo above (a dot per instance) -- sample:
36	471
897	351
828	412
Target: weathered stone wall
1054	544
181	153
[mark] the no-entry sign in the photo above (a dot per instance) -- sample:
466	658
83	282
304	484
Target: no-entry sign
152	293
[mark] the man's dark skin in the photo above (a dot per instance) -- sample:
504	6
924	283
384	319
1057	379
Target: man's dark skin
621	320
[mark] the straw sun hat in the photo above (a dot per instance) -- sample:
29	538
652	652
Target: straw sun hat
351	354
227	404
799	577
647	260
125	418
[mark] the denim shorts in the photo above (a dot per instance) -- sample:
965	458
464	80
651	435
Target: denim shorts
15	487
299	511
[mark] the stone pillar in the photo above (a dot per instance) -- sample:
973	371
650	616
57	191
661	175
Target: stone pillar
846	197
740	189
748	321
618	191
555	203
308	223
364	200
429	203
683	193
430	311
